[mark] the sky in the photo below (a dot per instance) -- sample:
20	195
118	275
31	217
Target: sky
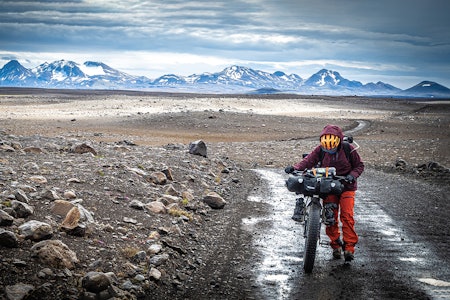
400	42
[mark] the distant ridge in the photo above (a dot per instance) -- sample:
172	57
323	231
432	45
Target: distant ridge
234	79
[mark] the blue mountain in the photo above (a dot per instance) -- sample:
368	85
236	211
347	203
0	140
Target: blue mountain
233	79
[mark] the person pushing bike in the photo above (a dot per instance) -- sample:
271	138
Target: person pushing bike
334	152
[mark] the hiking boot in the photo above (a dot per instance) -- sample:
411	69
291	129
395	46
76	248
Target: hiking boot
299	210
337	253
348	256
328	213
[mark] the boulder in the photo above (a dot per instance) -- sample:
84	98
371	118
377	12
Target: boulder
36	230
198	148
55	253
214	200
8	239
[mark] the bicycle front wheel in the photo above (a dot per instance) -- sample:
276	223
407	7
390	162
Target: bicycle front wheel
312	236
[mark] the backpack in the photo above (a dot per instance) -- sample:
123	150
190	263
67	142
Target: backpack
347	149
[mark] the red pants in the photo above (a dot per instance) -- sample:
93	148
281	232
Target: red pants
345	202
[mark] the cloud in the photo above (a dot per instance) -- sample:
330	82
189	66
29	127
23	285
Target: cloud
378	37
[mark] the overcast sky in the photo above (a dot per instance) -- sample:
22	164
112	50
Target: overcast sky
401	42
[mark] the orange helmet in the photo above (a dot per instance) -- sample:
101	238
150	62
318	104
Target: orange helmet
329	142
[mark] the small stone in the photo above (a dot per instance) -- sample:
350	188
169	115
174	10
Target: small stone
154	273
38	179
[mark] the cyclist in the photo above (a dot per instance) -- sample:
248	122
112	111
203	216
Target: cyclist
331	153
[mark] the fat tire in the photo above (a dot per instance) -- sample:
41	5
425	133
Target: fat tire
312	236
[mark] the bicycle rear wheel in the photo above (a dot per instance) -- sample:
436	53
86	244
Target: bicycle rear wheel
312	236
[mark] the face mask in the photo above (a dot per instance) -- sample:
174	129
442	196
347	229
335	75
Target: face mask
331	151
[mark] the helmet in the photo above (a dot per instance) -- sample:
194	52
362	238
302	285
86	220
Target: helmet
329	142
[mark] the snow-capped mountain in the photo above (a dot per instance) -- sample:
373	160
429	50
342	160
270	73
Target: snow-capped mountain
103	76
234	79
14	74
427	89
60	73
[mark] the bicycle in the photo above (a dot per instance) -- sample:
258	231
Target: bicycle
314	184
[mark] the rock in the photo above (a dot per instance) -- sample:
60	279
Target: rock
70	195
8	239
35	150
18	291
83	148
154	274
38	179
156	207
168	173
198	148
21	196
129	220
22	209
50	195
6	148
169	199
95	282
136	204
36	230
71	224
72	219
171	191
5	218
140	256
61	207
55	253
400	163
154	248
214	200
159	259
157	178
86	216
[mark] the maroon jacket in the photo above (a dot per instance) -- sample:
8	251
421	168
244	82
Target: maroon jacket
338	160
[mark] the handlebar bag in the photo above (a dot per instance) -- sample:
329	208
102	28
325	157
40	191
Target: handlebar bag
293	184
331	186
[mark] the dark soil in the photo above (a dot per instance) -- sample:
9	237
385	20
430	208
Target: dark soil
209	254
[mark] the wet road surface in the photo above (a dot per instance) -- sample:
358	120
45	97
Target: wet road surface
390	261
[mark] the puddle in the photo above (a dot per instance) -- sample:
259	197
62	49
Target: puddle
279	245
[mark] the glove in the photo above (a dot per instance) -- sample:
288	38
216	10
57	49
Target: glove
349	178
289	169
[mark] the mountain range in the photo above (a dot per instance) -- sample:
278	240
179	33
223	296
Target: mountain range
234	79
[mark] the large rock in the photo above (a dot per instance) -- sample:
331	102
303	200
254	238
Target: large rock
55	253
214	200
36	230
83	148
22	209
18	291
5	218
156	207
95	282
21	196
8	239
198	148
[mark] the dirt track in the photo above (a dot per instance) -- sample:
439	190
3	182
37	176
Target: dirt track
266	132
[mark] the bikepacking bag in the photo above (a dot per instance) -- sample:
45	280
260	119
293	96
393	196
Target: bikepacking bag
331	186
301	184
293	184
310	185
